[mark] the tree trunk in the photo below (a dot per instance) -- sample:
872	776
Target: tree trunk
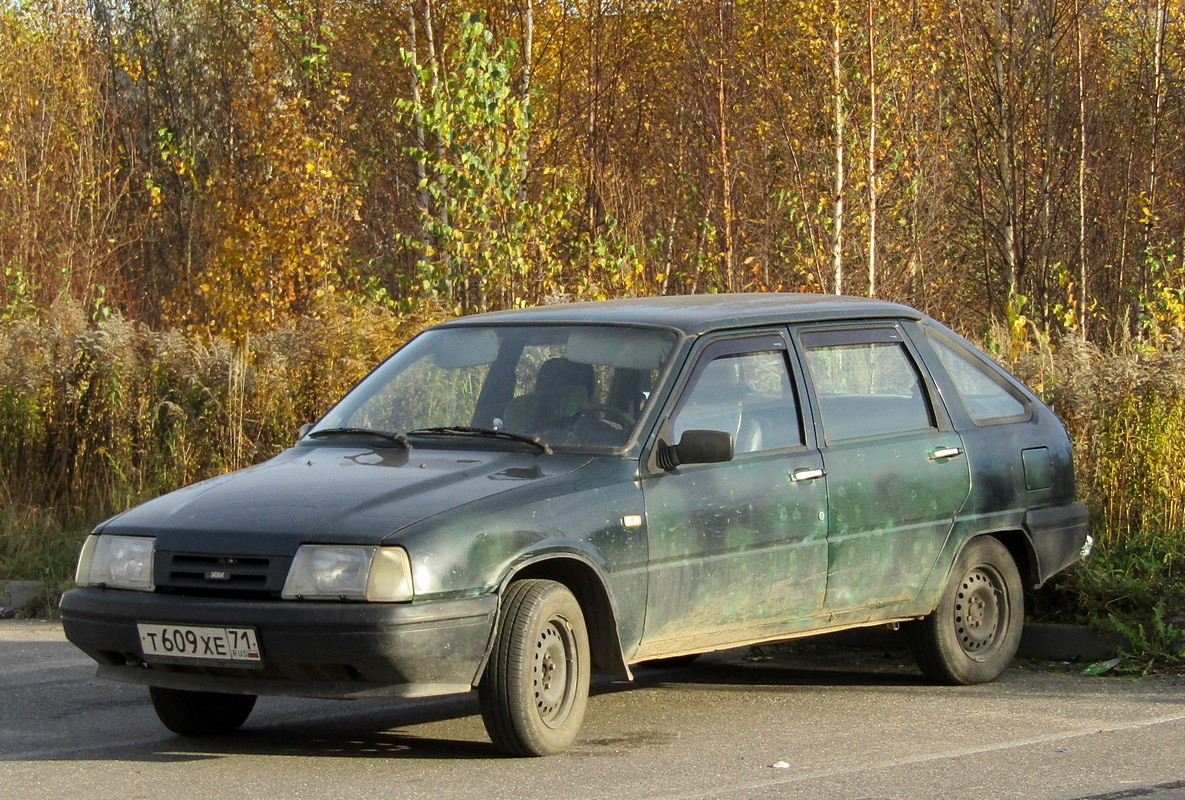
978	136
840	121
1082	292
434	86
423	202
1004	156
1048	147
727	213
1156	114
872	162
525	91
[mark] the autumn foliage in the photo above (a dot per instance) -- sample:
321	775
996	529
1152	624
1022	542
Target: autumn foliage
228	166
235	182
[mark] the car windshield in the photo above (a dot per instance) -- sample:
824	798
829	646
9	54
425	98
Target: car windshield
565	386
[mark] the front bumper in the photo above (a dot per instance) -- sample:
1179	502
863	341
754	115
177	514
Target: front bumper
337	650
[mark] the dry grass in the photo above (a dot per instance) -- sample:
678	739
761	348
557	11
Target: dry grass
1125	410
97	417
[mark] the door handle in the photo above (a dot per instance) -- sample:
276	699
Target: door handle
809	474
946	452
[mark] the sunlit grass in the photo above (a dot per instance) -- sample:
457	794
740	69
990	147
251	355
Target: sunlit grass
95	418
1125	410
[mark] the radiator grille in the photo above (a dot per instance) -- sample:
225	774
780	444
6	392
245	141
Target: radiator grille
206	573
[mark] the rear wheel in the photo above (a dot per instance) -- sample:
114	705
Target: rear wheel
200	713
972	635
535	687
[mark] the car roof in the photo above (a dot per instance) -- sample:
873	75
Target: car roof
695	314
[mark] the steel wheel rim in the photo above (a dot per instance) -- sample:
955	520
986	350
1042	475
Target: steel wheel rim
555	672
980	612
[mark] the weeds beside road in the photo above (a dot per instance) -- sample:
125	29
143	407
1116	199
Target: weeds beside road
1125	410
96	416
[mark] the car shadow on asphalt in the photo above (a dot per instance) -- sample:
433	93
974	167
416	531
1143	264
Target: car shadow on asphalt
450	727
833	660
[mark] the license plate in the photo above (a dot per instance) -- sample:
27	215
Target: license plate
182	643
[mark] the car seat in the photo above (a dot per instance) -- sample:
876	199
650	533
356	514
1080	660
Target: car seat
562	388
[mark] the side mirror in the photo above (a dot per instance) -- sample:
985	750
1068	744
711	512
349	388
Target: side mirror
302	430
696	447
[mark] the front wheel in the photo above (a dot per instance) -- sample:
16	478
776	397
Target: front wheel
535	687
973	633
200	713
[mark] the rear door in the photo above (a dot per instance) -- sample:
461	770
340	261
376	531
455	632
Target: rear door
896	470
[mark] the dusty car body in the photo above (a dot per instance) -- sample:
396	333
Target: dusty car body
518	499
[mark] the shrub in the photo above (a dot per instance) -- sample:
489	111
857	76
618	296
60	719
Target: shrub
97	417
1125	410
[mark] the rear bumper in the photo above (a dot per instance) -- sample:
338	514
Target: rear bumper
308	649
1059	536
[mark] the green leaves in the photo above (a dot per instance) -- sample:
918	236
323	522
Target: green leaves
484	241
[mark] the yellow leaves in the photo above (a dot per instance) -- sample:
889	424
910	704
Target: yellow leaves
279	217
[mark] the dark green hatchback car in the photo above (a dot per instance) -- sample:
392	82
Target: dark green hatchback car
514	501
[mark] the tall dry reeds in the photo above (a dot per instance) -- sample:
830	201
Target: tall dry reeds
1125	410
95	417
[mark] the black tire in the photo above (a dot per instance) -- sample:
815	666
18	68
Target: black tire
535	687
200	713
972	635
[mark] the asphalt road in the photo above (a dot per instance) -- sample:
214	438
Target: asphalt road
826	724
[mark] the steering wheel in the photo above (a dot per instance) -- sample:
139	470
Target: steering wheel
611	416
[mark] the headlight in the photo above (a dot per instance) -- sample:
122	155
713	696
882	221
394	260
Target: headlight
117	562
333	572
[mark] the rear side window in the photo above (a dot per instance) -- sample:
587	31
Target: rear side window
986	399
866	382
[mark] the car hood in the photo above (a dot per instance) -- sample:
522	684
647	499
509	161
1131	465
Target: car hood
331	494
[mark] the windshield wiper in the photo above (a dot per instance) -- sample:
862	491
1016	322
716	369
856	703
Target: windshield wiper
466	430
398	438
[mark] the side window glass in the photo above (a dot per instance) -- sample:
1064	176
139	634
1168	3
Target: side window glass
986	400
866	383
748	395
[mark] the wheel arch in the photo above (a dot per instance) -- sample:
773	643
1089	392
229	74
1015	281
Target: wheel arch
583	580
1020	547
1015	540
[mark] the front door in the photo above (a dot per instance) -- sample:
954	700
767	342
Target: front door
736	547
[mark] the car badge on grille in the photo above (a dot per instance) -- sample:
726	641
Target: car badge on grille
217	575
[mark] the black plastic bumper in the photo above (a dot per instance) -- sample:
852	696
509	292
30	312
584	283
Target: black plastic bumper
308	649
1059	536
